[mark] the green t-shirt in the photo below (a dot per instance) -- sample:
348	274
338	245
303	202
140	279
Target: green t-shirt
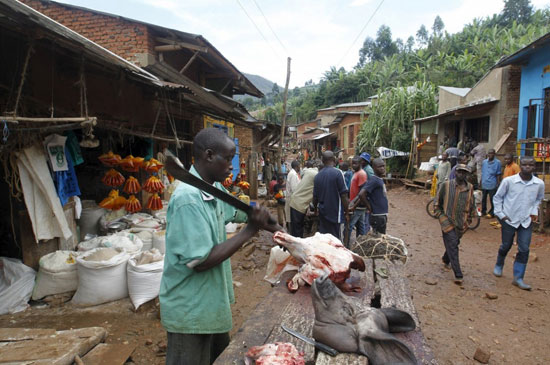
191	301
368	169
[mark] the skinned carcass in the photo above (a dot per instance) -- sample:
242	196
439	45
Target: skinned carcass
320	254
278	353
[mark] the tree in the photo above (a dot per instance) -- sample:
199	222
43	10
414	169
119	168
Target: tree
377	50
275	89
422	36
438	26
519	11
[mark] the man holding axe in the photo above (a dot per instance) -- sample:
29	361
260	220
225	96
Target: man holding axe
197	288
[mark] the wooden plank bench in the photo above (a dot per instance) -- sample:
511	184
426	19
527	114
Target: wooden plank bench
296	311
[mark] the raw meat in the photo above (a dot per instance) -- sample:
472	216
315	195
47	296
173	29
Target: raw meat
278	353
320	254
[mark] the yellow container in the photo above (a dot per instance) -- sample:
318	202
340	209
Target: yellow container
245	199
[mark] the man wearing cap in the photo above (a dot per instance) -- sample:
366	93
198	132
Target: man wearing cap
365	164
516	206
455	210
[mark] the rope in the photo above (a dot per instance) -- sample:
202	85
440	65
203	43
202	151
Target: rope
11	174
381	249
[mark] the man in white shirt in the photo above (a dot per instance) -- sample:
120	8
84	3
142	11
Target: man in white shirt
292	181
516	205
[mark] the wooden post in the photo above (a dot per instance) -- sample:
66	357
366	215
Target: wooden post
284	113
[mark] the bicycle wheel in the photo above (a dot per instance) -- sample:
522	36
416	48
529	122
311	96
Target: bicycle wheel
430	208
475	222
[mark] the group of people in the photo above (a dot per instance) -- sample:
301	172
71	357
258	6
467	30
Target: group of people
197	289
514	194
342	199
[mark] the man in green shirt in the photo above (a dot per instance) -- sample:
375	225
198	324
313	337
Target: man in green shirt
197	287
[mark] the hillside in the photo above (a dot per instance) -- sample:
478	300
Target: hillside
261	83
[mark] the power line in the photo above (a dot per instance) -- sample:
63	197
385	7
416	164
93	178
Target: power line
258	29
361	32
269	25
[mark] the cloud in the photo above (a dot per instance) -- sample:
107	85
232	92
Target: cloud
356	3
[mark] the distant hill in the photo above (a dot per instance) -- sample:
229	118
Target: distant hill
261	83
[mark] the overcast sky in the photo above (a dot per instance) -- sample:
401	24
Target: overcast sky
316	34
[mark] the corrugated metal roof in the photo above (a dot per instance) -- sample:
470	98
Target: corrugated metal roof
196	39
460	91
458	108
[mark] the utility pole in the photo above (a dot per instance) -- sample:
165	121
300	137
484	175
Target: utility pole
284	113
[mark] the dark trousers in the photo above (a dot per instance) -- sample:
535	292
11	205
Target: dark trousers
326	226
296	223
451	241
524	241
378	223
453	161
491	193
195	349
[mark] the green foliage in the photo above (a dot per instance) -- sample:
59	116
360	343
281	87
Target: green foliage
389	123
439	58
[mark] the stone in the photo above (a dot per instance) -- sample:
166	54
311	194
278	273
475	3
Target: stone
161	346
491	295
249	250
533	257
148	342
430	281
482	356
248	265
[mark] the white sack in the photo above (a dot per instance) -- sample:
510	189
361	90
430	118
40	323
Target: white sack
43	205
144	280
125	240
101	281
146	236
16	283
57	274
159	241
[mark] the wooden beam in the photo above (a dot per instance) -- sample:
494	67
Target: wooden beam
226	85
142	134
47	120
174	45
189	62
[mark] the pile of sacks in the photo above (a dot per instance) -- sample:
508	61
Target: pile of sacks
108	268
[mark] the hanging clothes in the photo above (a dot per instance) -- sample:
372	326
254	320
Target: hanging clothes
66	182
55	148
74	148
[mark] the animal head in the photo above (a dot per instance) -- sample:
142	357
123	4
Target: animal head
342	323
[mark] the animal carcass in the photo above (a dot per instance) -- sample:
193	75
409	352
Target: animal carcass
342	323
320	254
278	353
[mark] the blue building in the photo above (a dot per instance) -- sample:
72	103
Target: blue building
534	98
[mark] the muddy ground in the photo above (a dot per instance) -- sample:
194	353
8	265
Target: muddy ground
514	328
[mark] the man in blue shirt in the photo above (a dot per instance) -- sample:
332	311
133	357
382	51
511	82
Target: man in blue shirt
373	194
348	173
516	206
330	196
491	170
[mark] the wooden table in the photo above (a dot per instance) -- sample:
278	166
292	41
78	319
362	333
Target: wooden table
296	311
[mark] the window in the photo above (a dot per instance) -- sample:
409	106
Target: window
478	129
346	137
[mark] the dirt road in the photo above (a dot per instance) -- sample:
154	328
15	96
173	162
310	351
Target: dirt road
514	328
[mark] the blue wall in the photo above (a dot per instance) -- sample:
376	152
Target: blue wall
533	83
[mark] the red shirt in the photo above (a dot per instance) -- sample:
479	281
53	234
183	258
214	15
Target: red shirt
272	183
358	179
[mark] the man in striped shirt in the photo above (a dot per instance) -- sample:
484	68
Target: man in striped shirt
455	209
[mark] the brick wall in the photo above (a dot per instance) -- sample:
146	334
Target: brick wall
245	136
120	36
